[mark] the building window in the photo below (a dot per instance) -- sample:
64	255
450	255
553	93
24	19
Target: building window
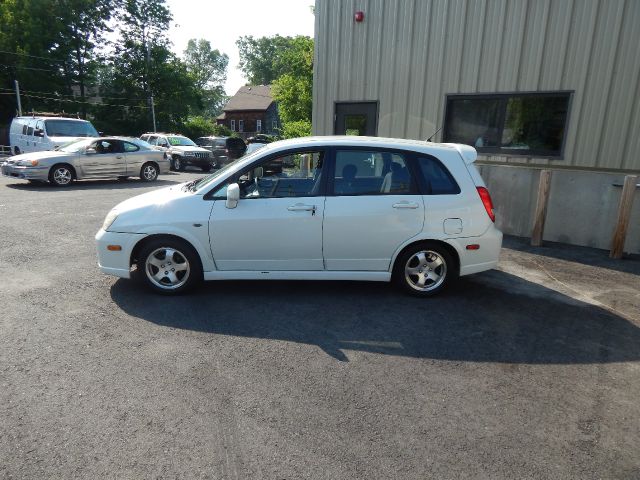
274	126
258	126
241	125
529	124
233	125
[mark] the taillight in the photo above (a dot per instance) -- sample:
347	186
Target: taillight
486	201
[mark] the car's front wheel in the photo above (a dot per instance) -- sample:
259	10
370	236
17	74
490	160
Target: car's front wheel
178	164
424	269
206	168
169	266
149	172
61	175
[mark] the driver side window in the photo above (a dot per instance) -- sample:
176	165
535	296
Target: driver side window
293	175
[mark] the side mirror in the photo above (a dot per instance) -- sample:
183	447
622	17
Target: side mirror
233	195
258	172
90	151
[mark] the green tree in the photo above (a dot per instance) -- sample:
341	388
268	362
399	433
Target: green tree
28	36
82	25
258	57
208	69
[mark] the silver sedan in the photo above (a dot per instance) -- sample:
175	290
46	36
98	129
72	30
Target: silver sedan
89	158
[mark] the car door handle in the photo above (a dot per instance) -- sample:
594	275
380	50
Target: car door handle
405	205
299	207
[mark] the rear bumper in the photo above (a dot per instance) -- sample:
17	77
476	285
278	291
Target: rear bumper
484	258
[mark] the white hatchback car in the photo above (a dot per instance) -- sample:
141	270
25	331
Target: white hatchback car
315	208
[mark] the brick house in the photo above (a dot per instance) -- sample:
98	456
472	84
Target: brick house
250	111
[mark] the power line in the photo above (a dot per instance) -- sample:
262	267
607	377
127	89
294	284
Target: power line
29	68
80	101
71	96
31	56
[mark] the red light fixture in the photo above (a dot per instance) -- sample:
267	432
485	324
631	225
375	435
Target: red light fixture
486	201
358	17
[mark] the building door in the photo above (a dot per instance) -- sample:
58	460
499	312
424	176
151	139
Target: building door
356	118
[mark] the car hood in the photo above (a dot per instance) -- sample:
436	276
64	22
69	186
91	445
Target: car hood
58	141
36	156
190	149
154	199
156	207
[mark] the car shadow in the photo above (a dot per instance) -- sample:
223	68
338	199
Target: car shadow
489	317
573	253
112	184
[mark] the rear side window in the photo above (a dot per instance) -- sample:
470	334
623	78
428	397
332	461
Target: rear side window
436	178
130	147
362	172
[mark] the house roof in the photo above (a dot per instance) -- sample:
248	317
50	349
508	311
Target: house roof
254	97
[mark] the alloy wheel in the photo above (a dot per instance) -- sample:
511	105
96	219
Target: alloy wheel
167	268
425	270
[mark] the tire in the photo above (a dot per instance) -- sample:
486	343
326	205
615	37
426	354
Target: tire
424	269
178	164
149	172
169	266
206	168
61	175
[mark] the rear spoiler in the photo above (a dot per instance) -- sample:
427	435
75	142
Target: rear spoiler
467	152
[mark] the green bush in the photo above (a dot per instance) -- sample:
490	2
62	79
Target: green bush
222	131
196	127
297	129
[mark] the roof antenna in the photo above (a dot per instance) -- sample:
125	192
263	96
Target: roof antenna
434	134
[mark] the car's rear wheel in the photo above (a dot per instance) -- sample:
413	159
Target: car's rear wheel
169	266
178	164
424	269
61	175
149	172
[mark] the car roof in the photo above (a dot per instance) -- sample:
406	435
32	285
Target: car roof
468	153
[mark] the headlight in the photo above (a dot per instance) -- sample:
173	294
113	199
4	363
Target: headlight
28	163
110	218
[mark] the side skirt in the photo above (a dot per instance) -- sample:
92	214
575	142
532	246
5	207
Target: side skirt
298	275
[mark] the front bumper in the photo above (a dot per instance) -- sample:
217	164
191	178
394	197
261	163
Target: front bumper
199	161
117	263
25	173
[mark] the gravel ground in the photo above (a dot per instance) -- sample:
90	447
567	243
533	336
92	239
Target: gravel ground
529	371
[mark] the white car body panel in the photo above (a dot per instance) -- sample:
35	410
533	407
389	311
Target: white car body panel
347	238
361	231
268	234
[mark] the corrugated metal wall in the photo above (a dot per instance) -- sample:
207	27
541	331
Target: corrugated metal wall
408	54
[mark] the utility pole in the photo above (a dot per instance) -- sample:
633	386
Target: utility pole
151	103
18	98
153	113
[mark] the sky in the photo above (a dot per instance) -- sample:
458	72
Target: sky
222	22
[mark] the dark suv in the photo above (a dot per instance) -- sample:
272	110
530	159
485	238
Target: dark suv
224	149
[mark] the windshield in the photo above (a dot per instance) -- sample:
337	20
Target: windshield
69	128
237	165
75	147
181	142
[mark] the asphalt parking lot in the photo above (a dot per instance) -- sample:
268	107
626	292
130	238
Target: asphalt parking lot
529	371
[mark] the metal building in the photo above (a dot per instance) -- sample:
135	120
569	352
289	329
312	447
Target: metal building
530	83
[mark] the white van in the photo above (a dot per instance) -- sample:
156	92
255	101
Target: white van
35	134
